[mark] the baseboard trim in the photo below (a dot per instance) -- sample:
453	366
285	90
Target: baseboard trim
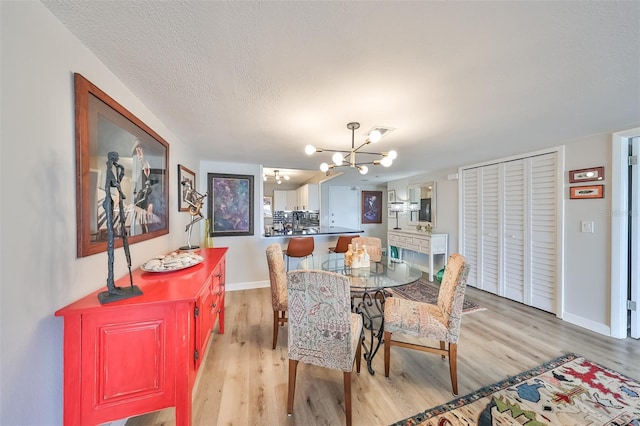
586	323
247	286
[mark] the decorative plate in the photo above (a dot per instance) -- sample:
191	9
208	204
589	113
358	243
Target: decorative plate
172	262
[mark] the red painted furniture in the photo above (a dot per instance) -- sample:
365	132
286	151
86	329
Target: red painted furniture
141	354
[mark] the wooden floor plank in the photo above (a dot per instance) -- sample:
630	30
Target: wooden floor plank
244	382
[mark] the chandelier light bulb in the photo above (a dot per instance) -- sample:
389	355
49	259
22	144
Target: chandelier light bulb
286	177
264	178
279	181
324	167
392	154
309	149
386	161
375	136
338	158
363	170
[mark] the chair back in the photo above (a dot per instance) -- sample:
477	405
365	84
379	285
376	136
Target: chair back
278	277
300	247
452	290
320	319
342	245
374	246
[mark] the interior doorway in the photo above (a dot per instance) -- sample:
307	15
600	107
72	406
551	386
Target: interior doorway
344	207
625	235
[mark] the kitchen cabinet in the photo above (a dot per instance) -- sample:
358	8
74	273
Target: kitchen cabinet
308	197
142	354
285	200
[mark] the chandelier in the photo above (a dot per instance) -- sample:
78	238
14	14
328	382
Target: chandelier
348	158
277	176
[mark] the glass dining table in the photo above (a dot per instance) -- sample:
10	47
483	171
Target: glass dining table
369	289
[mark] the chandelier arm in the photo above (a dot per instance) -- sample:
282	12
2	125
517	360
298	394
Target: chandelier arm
367	142
372	153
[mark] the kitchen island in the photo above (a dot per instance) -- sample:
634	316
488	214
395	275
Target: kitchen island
314	230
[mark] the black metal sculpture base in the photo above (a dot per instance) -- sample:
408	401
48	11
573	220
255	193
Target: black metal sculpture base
120	293
186	248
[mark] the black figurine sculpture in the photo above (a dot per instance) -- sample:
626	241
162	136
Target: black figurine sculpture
113	180
194	199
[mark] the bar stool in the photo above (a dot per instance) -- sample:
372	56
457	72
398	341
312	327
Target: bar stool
342	245
299	247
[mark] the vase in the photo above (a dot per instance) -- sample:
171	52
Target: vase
208	239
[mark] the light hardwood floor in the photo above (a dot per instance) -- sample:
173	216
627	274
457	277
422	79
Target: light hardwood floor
244	382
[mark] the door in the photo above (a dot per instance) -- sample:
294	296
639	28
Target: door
515	218
470	222
490	195
344	207
543	233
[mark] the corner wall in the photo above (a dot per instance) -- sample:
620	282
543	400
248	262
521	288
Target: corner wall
586	266
40	272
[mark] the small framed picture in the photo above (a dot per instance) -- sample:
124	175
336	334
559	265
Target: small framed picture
582	192
586	175
186	180
371	207
391	196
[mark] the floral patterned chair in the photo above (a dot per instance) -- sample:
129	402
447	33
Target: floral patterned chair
374	246
322	329
440	321
278	278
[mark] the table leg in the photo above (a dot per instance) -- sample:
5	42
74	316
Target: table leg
371	308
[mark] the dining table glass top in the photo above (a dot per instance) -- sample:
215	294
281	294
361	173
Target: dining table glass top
379	275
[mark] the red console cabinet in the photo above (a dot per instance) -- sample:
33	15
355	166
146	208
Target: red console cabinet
142	354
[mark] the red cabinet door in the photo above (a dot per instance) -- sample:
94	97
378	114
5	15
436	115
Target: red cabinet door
128	366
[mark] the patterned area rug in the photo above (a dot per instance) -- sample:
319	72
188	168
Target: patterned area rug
424	291
568	390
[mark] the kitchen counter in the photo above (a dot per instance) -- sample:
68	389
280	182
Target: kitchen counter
311	231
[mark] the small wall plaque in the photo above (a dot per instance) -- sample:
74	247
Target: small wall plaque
586	175
581	192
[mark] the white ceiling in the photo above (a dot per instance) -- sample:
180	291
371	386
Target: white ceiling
461	82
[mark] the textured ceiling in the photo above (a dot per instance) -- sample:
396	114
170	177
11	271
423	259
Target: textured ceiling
461	82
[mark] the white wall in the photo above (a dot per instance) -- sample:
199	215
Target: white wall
587	269
40	272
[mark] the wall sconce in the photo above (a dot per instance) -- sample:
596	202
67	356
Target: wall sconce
397	207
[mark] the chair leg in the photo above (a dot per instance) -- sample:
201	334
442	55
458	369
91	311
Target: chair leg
293	365
276	322
442	348
453	366
358	356
387	352
347	396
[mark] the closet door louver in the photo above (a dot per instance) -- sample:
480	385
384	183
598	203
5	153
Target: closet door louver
489	264
515	206
470	223
544	229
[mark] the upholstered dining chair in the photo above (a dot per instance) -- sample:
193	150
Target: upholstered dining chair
322	329
424	320
342	245
278	278
374	246
299	247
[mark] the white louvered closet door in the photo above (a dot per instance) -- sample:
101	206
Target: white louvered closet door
514	221
470	223
490	202
509	228
543	231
